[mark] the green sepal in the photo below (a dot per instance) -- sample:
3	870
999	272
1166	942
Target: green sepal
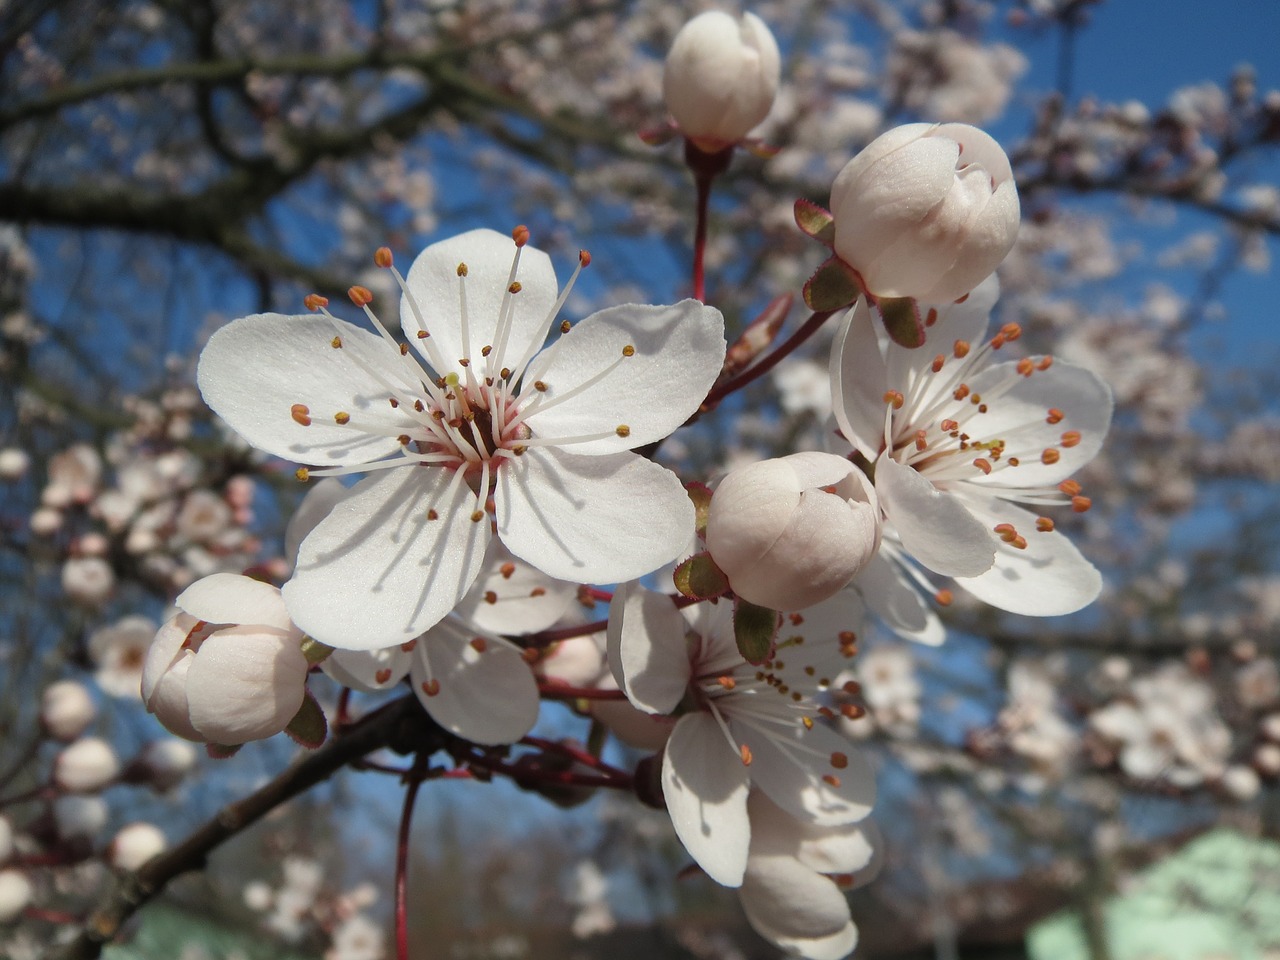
833	286
901	318
756	631
222	751
815	221
700	579
700	494
315	651
308	728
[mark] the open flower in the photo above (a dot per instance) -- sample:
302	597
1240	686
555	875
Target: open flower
721	77
740	725
956	439
228	668
468	411
926	211
791	532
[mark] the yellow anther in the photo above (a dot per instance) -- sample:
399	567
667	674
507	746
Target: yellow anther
342	417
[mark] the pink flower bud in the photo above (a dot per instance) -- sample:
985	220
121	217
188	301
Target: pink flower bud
86	766
926	211
721	77
134	845
228	668
791	532
66	709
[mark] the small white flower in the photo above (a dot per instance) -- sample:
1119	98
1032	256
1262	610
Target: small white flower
741	725
15	893
791	532
229	667
956	439
166	763
66	709
88	580
74	476
119	652
721	77
926	211
134	845
547	435
14	463
85	766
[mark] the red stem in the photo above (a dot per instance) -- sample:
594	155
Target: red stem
703	183
562	691
402	869
573	753
806	330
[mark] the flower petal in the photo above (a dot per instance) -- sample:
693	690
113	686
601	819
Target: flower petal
377	570
437	289
844	849
858	381
245	684
1049	578
486	693
368	670
935	527
952	322
511	597
648	653
231	598
796	909
678	352
1079	393
791	766
254	370
315	506
705	786
608	518
891	596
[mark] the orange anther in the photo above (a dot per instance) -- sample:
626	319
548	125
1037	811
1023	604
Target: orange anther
1011	331
983	464
1070	487
922	440
382	257
313	301
894	397
1081	504
300	414
1050	456
960	348
727	682
1044	524
1071	438
1019	542
831	780
1045	363
852	711
507	569
520	235
961	392
360	296
584	258
931	317
938	361
1055	415
432	515
431	687
515	287
949	425
383	675
745	752
490	597
839	760
943	598
479	644
1026	367
463	270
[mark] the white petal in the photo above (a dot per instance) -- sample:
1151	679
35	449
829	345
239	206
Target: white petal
255	369
164	677
512	597
1078	393
434	284
487	693
604	519
790	768
231	598
848	848
798	910
368	670
936	528
245	684
315	506
894	599
705	786
966	321
1049	578
644	731
648	653
376	571
858	381
678	354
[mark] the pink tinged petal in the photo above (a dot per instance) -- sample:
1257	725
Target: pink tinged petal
482	691
859	380
1047	579
797	909
893	598
511	597
679	350
245	684
434	284
648	653
605	518
851	182
989	236
231	598
936	528
315	506
705	784
377	571
164	677
368	670
813	774
644	731
255	370
1022	413
977	148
